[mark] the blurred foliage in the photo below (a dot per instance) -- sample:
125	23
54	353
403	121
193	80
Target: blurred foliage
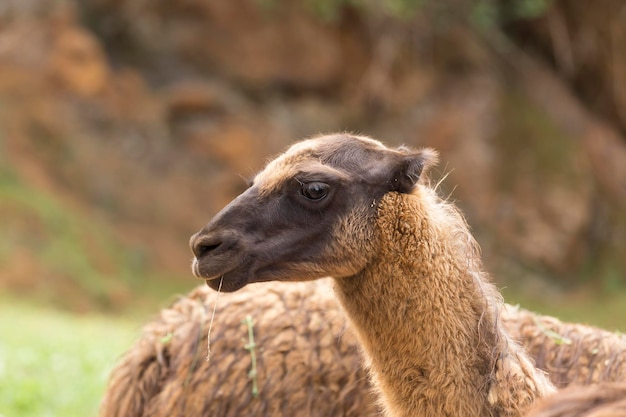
535	142
84	264
606	311
58	237
482	13
56	364
487	14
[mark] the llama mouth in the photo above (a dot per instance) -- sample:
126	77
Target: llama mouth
214	278
227	282
213	271
196	269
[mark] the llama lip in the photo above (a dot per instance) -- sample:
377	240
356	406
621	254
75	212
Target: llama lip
229	279
211	268
207	277
227	283
195	268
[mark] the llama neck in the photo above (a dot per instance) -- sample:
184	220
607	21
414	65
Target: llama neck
428	319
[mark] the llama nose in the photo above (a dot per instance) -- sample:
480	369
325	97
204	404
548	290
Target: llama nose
202	245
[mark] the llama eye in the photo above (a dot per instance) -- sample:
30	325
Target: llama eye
315	190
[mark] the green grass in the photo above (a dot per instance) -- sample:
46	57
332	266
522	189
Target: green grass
54	363
607	311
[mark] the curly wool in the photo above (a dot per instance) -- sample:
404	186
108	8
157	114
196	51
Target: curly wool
607	399
571	353
307	363
149	379
427	317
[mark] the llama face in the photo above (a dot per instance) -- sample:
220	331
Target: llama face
309	214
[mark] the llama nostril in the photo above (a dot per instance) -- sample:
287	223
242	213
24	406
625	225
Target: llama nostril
201	248
204	249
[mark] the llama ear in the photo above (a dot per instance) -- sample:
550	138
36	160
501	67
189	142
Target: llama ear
410	166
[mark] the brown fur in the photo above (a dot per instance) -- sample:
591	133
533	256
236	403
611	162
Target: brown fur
150	373
603	400
570	353
303	155
406	271
307	364
447	353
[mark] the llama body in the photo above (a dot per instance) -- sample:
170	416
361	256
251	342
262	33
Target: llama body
149	379
406	271
571	353
606	399
307	360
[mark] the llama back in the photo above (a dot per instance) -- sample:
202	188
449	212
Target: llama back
607	399
144	381
307	364
572	354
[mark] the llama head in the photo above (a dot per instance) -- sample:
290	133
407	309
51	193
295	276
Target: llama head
310	213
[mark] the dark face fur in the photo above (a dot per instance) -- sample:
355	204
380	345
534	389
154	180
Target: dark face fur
309	214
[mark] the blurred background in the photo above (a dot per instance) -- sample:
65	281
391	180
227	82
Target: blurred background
126	124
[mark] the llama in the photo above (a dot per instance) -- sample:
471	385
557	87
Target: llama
307	364
152	377
600	400
405	267
570	353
